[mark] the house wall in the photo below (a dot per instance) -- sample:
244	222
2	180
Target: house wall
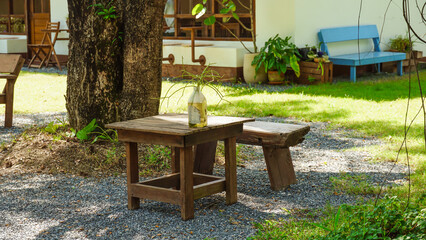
312	15
59	13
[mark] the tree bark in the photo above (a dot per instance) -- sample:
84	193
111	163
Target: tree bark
108	78
142	58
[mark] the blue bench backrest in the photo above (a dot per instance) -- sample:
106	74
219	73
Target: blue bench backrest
329	35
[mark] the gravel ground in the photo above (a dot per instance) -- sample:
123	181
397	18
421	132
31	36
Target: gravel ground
35	206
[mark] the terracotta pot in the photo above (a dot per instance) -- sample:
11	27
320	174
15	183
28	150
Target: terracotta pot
249	70
274	77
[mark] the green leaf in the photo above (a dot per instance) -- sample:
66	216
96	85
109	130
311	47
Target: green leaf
83	134
210	20
235	16
295	65
226	19
197	9
204	1
224	10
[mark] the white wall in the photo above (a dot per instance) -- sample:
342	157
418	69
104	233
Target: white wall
275	17
13	44
58	13
312	15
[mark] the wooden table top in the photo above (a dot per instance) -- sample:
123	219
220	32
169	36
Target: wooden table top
175	124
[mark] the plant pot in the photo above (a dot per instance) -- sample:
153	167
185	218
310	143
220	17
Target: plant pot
275	78
249	71
197	109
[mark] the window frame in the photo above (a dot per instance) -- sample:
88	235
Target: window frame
178	16
9	20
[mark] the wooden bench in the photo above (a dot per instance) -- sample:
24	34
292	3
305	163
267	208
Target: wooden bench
332	35
10	67
275	139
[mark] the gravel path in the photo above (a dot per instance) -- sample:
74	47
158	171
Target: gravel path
37	206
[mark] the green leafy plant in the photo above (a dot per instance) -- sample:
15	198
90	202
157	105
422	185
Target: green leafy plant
228	8
278	54
107	12
401	44
390	219
84	133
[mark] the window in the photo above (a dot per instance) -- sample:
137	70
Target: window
12	16
177	14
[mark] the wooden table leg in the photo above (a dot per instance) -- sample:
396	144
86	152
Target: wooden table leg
9	103
186	183
132	173
231	170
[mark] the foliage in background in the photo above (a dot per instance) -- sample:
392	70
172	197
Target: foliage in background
401	44
228	7
277	55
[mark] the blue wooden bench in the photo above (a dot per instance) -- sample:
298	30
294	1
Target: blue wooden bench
340	34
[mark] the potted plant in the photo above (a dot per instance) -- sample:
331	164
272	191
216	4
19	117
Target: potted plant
315	67
403	44
197	103
228	8
277	55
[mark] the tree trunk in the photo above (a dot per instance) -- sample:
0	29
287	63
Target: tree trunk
142	58
114	65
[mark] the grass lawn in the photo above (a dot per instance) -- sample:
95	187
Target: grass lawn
38	92
373	108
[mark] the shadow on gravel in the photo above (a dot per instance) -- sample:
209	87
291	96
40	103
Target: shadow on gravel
52	207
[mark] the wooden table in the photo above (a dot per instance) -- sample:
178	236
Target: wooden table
183	186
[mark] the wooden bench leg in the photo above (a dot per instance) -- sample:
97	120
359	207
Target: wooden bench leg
204	159
280	167
186	183
132	173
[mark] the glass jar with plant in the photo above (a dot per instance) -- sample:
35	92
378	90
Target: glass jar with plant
277	55
252	74
197	102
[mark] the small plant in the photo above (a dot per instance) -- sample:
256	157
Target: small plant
107	12
390	219
277	55
205	79
401	44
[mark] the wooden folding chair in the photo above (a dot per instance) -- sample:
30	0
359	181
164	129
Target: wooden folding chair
44	50
10	67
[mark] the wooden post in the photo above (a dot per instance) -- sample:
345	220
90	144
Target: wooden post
205	154
132	173
280	167
9	103
231	170
186	183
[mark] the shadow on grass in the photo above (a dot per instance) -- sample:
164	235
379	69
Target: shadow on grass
381	89
300	108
